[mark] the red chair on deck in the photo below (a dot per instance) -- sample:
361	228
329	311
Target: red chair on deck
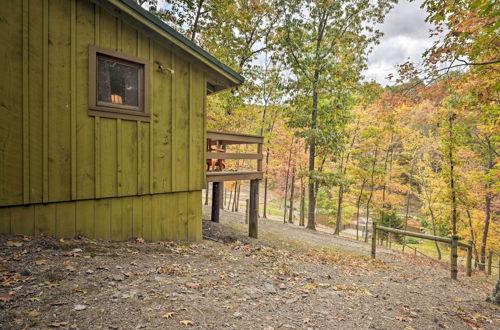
214	163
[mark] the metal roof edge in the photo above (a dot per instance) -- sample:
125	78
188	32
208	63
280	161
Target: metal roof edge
179	37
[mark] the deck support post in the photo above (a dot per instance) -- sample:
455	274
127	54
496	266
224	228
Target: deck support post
374	240
216	199
454	257
253	212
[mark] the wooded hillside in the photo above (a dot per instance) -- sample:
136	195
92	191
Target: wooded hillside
423	149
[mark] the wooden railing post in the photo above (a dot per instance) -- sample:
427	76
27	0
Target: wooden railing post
454	257
253	211
490	256
374	240
216	201
469	260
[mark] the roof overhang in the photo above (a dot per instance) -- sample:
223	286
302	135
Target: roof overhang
230	78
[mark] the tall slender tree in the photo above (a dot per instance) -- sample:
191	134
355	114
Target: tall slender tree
325	43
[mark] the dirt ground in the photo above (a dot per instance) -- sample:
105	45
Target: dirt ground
291	278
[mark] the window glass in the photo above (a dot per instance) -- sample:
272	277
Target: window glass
118	82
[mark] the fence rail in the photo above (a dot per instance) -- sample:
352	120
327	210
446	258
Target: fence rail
453	241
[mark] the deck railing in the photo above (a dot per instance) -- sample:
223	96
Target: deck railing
215	159
224	139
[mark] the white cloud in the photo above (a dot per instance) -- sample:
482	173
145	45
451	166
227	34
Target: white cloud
406	35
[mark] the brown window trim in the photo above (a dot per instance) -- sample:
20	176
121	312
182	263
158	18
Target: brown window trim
110	110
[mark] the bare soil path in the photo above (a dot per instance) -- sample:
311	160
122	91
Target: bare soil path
231	282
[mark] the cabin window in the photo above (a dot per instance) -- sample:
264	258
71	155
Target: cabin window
118	85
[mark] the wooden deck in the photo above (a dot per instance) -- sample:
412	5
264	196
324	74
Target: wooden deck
216	156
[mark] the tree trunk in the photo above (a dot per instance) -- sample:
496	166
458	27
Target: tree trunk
221	195
434	231
339	211
264	214
358	204
286	181
292	188
473	238
230	198
452	180
311	211
286	195
371	194
485	230
236	208
302	203
196	20
389	149
487	206
408	195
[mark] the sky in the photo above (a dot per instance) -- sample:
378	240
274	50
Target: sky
406	35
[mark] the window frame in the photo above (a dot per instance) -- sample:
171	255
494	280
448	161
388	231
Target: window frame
112	110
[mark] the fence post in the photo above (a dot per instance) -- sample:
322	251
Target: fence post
374	240
469	260
454	256
490	256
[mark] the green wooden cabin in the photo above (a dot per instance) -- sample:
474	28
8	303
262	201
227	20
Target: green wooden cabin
102	121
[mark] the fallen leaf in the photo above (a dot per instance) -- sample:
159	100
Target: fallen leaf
15	244
3	269
51	284
72	253
6	297
186	322
41	262
70	268
80	290
33	313
140	240
104	267
168	315
193	285
34	299
58	324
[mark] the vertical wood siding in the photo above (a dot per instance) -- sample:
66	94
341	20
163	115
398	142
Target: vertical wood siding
64	173
170	216
51	150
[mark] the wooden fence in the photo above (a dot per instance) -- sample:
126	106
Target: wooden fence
453	241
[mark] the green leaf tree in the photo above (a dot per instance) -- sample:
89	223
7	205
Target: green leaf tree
325	44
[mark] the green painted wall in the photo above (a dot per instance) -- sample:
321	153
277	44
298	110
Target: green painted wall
51	151
170	216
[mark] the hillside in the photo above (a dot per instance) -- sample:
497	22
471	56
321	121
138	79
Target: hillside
290	278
